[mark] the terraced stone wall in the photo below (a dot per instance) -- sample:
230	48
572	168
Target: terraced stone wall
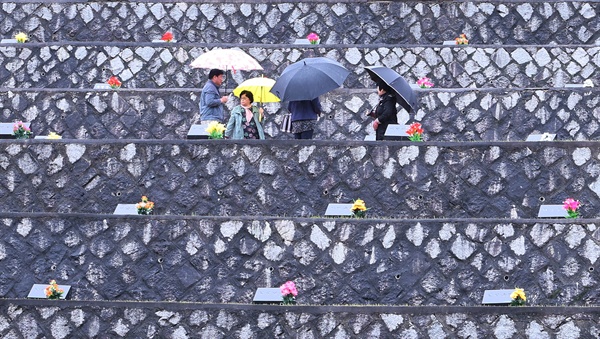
147	65
210	177
332	261
446	115
150	320
561	22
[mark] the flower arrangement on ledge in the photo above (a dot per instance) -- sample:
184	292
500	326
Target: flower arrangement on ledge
572	207
145	206
114	82
288	293
359	208
518	297
425	82
313	38
415	132
215	130
167	37
21	37
53	291
462	39
21	131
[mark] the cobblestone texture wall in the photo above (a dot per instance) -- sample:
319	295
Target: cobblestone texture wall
300	178
332	261
21	319
446	115
561	22
156	66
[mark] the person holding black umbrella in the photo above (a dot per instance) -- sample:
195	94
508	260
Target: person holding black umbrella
385	112
304	117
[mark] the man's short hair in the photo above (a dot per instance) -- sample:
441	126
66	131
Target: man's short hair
214	73
382	85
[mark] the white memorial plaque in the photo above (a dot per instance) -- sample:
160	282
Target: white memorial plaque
396	132
102	86
339	210
267	296
497	297
8	41
6	129
552	211
574	86
198	132
449	42
126	209
160	40
370	137
541	137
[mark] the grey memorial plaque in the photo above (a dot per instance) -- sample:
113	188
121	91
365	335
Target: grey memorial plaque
396	132
541	137
552	211
125	209
6	129
265	295
197	132
497	297
102	86
38	291
339	210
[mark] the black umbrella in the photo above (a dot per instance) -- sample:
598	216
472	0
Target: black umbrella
309	78
405	96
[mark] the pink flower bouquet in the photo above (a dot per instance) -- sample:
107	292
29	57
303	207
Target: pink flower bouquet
288	293
571	206
425	82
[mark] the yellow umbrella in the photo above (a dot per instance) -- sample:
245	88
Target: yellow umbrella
260	88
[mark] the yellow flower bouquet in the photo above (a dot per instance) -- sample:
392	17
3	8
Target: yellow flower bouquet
518	297
359	208
215	130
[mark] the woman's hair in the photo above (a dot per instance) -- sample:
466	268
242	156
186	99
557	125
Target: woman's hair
248	95
382	85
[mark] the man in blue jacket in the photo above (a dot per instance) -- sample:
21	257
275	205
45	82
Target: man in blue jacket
211	101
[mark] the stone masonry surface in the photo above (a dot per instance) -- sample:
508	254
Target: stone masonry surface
226	177
489	22
22	319
332	261
146	65
446	115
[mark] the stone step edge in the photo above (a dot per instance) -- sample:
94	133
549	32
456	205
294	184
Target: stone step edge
464	221
336	91
310	309
244	46
313	142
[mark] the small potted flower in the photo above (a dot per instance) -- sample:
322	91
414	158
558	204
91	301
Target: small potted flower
313	38
167	37
114	82
215	130
145	206
359	209
21	37
21	131
415	132
53	291
518	297
288	293
425	82
462	40
571	206
588	83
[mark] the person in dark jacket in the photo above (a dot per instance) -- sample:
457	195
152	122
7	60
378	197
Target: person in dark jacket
211	102
304	117
385	112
